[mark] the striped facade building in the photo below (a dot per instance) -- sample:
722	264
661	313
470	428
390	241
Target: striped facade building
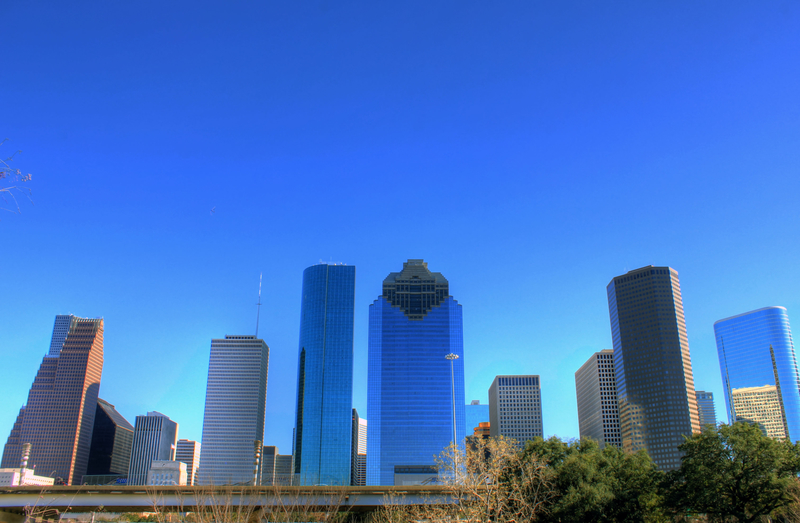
58	418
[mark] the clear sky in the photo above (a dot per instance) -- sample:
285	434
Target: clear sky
529	151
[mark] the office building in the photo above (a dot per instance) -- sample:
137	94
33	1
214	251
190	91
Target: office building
188	451
756	350
154	439
325	376
112	438
236	401
413	326
596	388
483	430
655	385
67	383
358	454
167	473
276	469
11	478
761	406
515	407
475	414
705	408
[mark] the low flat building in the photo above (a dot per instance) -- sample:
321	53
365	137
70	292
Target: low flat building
164	472
10	478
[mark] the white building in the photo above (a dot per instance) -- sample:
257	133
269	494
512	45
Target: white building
154	438
165	472
596	390
188	451
10	478
760	405
236	399
515	407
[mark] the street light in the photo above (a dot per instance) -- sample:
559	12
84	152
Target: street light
452	357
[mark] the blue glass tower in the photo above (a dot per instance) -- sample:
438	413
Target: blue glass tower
413	325
325	376
757	361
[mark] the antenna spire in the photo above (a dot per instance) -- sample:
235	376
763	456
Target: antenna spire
258	313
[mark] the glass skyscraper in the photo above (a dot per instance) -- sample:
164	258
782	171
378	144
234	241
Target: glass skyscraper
325	376
759	370
413	325
236	401
652	366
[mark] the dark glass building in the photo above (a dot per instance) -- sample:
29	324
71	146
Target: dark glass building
413	325
112	438
653	369
59	416
759	371
325	376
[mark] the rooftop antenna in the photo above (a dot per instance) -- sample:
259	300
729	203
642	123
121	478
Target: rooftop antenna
258	313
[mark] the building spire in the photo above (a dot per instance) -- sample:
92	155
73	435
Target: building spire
258	310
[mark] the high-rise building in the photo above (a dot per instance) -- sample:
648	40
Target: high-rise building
762	406
756	350
154	438
325	376
276	469
475	414
515	407
112	439
655	385
236	401
188	451
59	417
358	454
413	326
596	388
705	408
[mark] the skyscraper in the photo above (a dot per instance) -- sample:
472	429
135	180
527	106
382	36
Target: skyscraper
358	455
413	326
515	407
112	439
276	469
188	451
325	376
655	386
154	439
705	408
236	401
596	388
67	384
756	350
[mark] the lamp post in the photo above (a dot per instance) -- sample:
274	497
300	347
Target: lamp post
452	357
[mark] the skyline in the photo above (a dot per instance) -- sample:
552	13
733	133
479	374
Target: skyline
529	152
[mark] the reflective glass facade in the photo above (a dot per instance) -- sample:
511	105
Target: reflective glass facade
236	400
112	438
652	366
746	361
413	325
475	414
325	376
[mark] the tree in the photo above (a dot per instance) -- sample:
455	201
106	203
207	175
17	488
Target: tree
492	481
735	471
10	180
605	485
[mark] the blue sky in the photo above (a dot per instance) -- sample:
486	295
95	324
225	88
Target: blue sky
529	151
